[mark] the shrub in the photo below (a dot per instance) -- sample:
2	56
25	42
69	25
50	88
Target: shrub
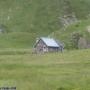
75	39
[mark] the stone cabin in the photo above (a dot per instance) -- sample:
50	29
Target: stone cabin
45	44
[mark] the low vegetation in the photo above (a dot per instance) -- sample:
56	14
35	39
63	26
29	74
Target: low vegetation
69	70
71	34
22	21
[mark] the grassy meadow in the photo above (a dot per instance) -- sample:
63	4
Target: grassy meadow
22	21
69	70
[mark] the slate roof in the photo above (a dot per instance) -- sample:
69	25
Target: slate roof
50	42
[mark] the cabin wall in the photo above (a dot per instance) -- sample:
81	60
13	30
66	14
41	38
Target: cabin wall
41	47
53	49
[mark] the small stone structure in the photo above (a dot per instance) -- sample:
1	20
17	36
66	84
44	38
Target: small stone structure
44	45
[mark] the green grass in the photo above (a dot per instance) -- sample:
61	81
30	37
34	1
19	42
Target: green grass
25	20
17	40
28	19
65	34
69	70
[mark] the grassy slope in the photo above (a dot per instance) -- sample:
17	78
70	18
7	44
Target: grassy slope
28	19
69	70
65	34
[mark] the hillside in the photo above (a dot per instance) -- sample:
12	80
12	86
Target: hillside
55	71
65	34
25	20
